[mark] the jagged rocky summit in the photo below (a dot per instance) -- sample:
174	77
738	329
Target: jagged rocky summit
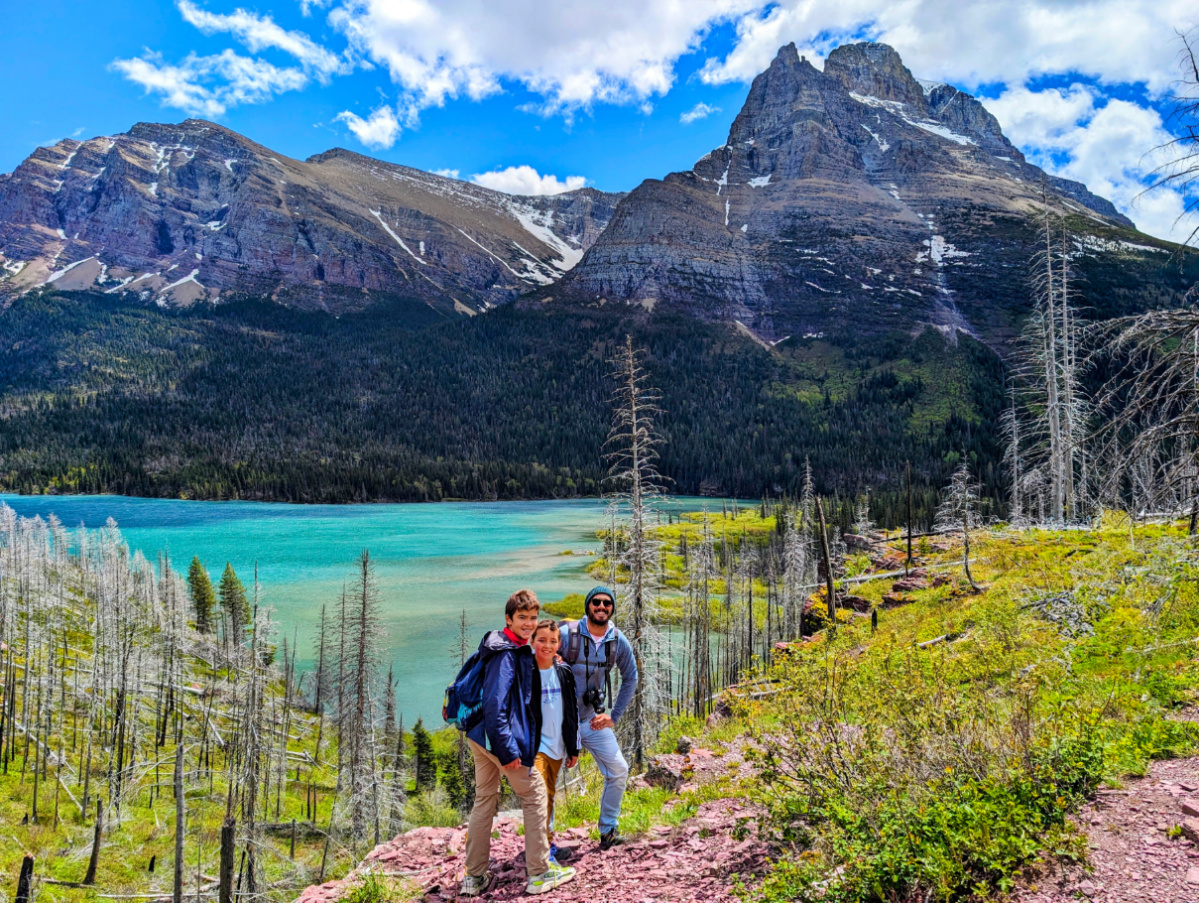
192	211
856	198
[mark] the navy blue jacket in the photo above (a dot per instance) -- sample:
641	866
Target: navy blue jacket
570	708
511	726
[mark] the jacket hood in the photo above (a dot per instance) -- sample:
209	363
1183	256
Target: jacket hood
496	641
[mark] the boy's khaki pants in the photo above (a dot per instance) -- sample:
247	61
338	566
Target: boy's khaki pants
529	786
548	769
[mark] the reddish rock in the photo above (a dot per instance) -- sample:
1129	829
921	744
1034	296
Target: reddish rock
857	603
893	600
857	543
1190	827
664	775
1190	807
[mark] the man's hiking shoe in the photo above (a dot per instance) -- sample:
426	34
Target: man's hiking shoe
557	875
473	887
610	839
560	855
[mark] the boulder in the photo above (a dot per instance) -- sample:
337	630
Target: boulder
857	603
856	543
893	600
684	745
664	775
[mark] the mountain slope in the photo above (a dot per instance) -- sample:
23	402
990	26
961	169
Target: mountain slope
195	211
853	198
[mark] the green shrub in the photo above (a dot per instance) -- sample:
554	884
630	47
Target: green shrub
432	809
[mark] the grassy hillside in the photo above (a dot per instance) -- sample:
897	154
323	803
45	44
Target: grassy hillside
940	757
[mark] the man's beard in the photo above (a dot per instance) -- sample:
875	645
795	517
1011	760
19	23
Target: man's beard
596	616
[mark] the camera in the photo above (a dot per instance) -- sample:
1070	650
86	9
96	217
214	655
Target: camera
594	697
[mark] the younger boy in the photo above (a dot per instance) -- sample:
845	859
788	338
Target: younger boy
505	744
559	719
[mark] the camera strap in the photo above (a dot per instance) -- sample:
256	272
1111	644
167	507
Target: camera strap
577	638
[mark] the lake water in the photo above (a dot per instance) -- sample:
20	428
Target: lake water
431	562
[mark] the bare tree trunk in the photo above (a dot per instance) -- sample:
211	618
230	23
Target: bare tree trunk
180	833
228	852
828	565
97	837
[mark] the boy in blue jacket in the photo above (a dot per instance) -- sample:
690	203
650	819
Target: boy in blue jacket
505	744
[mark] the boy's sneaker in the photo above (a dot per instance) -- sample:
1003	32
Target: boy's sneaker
473	887
557	875
559	855
610	839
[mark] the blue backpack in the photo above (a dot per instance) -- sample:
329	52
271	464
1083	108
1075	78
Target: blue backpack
463	704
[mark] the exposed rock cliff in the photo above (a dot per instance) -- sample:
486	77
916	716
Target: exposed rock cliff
856	198
194	210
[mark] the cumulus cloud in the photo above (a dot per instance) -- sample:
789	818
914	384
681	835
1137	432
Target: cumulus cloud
968	44
448	173
526	180
699	111
210	85
620	51
379	131
1107	144
259	33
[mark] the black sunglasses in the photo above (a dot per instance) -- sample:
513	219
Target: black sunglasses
607	603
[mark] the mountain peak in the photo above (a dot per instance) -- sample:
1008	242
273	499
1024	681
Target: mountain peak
875	70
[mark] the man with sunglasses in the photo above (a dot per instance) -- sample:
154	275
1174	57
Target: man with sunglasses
592	647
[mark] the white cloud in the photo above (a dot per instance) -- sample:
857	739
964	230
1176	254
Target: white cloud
260	33
380	130
209	85
448	173
620	51
983	41
699	111
1109	146
525	180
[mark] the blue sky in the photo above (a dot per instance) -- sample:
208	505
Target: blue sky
526	94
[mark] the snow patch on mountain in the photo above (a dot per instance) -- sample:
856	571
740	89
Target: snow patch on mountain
377	215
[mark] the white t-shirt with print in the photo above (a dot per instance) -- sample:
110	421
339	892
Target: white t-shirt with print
552	713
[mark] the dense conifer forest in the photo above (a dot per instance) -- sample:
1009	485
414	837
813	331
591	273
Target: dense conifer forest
254	401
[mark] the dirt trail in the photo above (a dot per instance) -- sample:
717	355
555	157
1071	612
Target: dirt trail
692	863
1132	858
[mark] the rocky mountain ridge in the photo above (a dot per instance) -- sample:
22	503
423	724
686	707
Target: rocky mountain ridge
180	213
856	198
850	198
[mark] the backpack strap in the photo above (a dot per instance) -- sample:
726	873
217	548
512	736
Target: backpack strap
574	647
574	643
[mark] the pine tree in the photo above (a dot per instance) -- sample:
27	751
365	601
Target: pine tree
234	602
202	595
424	766
452	783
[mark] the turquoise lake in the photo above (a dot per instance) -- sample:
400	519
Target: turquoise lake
431	562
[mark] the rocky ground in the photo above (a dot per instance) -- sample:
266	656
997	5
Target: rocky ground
1132	856
692	862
